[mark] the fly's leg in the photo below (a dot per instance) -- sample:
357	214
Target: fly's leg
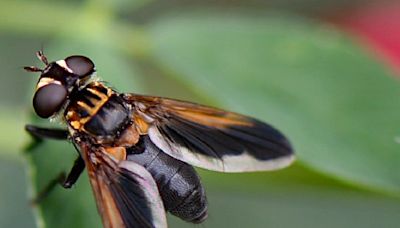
46	191
75	173
63	180
47	133
39	133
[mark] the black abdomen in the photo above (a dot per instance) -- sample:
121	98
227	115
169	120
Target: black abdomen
178	183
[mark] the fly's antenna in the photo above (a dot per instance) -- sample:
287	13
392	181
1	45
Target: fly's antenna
40	55
33	69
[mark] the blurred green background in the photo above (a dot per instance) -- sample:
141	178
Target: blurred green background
275	60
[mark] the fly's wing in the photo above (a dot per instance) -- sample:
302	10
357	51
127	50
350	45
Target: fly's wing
210	138
126	194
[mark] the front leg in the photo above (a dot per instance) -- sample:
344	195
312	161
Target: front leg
39	133
47	133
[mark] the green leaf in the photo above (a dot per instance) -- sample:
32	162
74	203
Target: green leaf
14	208
336	104
10	138
254	66
300	208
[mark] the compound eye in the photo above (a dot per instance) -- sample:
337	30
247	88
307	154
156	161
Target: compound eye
80	65
49	99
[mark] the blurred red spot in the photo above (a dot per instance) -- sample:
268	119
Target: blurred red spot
379	26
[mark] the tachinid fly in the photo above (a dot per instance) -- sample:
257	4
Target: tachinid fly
139	150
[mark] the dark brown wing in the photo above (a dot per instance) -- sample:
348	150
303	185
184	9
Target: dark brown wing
210	138
126	194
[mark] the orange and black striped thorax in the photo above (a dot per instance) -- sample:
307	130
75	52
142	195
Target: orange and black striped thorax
97	110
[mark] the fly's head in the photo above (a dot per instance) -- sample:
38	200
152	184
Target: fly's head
57	80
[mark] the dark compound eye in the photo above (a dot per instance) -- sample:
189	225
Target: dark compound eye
80	65
49	99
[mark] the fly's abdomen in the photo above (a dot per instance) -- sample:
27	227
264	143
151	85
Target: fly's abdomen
178	183
186	194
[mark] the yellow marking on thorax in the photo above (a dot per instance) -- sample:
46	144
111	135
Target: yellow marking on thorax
85	106
97	93
77	122
70	114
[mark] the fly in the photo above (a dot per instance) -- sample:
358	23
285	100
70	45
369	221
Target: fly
139	151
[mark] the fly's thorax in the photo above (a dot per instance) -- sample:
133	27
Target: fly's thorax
98	111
